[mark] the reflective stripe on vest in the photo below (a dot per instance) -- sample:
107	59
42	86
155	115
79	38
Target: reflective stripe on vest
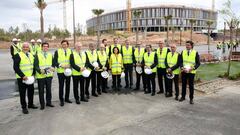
189	60
116	64
149	60
26	64
79	61
102	58
161	58
62	59
139	56
44	63
172	60
92	57
127	54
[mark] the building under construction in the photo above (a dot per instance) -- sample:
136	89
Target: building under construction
152	19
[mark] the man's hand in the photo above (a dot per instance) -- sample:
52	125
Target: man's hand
83	68
24	78
52	69
42	71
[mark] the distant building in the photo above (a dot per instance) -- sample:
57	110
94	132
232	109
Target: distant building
152	18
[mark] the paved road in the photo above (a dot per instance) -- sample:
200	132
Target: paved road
129	114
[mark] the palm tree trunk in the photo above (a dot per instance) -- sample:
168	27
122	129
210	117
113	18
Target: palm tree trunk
208	41
230	53
98	32
191	31
167	32
42	25
137	31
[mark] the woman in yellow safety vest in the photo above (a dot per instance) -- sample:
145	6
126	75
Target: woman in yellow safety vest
116	67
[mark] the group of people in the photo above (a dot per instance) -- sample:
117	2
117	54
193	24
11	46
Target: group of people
222	45
96	65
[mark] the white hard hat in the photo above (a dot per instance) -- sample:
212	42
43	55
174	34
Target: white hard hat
105	74
19	40
187	67
32	40
30	80
148	71
68	72
122	75
86	73
14	40
95	64
139	70
39	41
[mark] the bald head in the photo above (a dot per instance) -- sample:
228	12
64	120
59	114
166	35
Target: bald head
160	44
173	47
78	46
25	47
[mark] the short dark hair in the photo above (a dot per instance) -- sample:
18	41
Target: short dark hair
190	42
104	40
117	49
149	46
45	43
65	41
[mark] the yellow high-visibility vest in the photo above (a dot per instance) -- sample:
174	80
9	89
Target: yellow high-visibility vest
172	60
116	64
17	48
63	59
44	63
92	57
149	60
79	61
26	64
127	54
189	60
102	58
35	48
162	57
139	54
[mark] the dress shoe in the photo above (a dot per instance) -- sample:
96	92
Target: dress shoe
88	97
130	87
95	95
42	108
107	87
181	99
120	86
136	89
125	86
50	105
61	103
68	101
191	101
32	106
160	92
77	102
147	92
169	95
84	100
25	111
99	93
104	91
176	98
153	94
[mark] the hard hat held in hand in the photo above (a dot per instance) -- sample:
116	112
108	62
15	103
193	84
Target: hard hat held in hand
86	73
105	74
30	80
139	70
122	75
148	71
187	68
95	64
68	72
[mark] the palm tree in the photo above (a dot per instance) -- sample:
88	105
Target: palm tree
209	23
41	5
98	12
192	22
137	14
167	18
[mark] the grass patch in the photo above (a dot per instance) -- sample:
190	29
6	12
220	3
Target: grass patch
212	71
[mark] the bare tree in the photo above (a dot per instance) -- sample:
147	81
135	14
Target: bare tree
137	14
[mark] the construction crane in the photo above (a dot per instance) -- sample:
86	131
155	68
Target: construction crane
129	16
64	11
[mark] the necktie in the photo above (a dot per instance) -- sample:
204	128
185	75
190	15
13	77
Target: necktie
45	54
188	52
160	51
65	52
148	53
27	54
172	53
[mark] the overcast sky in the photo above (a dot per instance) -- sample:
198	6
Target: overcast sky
16	12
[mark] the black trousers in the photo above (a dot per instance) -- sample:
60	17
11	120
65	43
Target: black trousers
190	78
151	84
47	83
116	81
161	73
101	82
128	70
169	85
23	88
61	80
138	79
76	81
92	77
